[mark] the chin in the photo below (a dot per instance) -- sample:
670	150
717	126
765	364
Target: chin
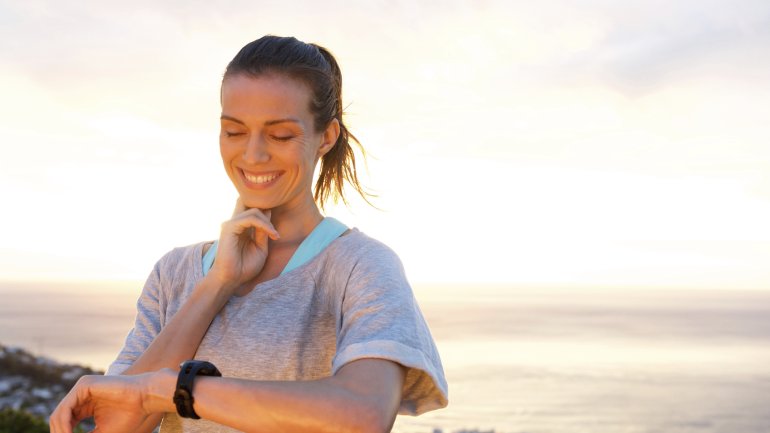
251	203
257	205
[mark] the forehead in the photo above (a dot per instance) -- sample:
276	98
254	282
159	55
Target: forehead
265	97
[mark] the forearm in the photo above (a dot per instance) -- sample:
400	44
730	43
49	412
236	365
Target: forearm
180	338
363	399
316	406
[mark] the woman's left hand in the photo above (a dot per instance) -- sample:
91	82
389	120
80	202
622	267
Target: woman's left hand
119	404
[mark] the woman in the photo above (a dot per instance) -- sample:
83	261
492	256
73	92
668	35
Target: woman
312	325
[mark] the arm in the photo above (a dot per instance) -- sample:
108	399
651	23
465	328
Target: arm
179	340
241	257
362	397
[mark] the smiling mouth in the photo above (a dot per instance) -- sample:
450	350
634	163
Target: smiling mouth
260	179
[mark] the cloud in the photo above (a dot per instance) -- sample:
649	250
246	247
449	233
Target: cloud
654	44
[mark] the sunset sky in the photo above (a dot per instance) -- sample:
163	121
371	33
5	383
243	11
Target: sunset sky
555	144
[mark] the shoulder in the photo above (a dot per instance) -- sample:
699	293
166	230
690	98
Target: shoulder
356	262
356	250
358	245
174	273
181	260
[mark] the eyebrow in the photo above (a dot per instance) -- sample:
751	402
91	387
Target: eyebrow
267	123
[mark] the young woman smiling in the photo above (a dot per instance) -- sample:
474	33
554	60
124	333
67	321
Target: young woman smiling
312	325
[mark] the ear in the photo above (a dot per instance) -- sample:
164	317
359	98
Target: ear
329	139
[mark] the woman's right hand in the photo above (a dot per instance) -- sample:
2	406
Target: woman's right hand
243	247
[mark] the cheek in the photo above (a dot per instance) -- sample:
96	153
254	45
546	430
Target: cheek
302	155
228	152
222	150
310	159
311	151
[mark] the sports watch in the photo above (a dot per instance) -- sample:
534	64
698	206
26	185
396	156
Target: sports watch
183	398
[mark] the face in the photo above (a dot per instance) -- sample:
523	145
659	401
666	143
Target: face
268	141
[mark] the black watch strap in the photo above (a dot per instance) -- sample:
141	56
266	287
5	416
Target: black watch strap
183	398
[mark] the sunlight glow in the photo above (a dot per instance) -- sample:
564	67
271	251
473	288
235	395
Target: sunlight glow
590	155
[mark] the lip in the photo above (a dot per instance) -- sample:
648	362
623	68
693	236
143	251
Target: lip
275	174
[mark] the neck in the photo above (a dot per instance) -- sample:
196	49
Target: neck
295	221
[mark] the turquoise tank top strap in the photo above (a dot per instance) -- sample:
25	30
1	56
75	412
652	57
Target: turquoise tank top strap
208	258
322	235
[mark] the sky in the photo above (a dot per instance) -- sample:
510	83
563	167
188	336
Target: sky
557	144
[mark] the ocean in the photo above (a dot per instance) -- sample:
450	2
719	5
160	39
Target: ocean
517	360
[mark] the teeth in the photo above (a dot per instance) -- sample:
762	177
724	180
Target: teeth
260	179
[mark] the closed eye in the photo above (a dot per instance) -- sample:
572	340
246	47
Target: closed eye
282	138
233	134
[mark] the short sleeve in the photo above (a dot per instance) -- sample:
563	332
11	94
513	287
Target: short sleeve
381	319
147	325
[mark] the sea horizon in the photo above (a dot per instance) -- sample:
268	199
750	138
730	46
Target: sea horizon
516	360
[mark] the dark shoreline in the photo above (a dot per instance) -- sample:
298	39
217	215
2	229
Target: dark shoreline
35	384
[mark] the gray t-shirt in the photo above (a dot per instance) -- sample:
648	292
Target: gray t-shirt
349	302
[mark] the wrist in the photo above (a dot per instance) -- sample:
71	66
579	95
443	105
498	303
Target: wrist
159	391
212	285
215	282
189	371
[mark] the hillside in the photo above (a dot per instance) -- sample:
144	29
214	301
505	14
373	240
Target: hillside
34	384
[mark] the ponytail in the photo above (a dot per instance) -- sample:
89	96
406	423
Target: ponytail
338	164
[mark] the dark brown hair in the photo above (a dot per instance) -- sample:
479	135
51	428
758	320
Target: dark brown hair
315	66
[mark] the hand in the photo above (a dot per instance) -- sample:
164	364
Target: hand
119	404
243	246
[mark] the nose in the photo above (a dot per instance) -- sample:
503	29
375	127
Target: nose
256	150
